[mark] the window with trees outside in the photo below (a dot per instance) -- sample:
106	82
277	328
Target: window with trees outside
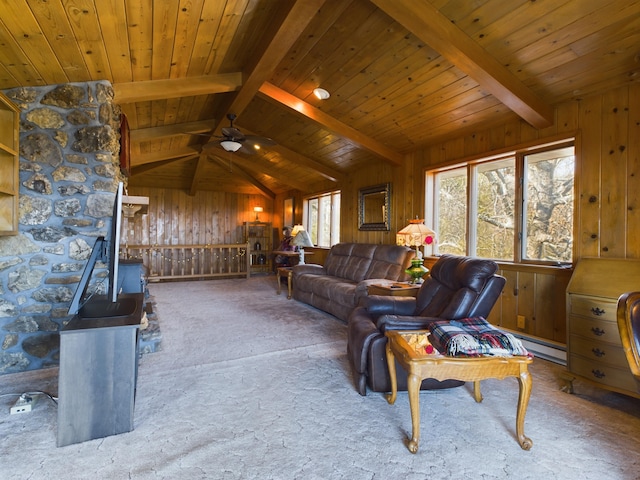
514	207
321	218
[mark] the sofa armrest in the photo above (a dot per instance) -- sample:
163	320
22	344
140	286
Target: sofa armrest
404	322
309	268
378	305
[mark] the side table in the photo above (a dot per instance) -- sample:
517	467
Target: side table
394	289
467	369
285	272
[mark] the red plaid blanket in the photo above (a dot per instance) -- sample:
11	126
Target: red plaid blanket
473	337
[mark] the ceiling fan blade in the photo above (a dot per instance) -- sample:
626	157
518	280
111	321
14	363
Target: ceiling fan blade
261	141
233	133
247	149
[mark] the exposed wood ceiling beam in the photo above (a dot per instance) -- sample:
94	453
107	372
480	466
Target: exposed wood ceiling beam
200	164
156	133
327	172
298	159
427	23
256	183
146	158
140	169
273	93
251	164
149	90
300	15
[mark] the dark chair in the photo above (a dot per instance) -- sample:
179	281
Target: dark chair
458	287
629	328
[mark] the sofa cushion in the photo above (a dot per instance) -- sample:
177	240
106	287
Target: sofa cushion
350	261
389	262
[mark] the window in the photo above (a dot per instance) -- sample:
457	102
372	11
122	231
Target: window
514	207
321	218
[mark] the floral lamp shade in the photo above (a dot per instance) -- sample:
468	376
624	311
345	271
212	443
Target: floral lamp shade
416	234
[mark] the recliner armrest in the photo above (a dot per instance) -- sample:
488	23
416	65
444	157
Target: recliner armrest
378	305
404	322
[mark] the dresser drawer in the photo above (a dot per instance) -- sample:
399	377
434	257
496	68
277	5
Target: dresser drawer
593	307
598	351
597	371
600	330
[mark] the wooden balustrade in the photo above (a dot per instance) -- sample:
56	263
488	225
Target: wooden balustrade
171	262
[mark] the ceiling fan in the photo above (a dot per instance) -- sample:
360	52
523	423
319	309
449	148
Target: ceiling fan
233	140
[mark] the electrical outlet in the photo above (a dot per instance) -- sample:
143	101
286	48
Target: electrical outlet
521	321
24	404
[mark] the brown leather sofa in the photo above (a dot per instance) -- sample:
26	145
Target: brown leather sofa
458	287
337	286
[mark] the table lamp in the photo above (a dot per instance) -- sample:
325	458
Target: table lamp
301	239
416	234
258	210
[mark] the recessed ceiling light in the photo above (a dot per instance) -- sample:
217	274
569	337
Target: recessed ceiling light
321	93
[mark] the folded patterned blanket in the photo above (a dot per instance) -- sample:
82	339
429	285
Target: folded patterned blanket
473	337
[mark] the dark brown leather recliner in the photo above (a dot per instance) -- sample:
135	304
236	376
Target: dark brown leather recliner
629	327
458	287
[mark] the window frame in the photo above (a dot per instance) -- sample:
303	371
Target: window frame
470	166
333	215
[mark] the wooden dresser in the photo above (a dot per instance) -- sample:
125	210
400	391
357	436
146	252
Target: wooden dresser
594	350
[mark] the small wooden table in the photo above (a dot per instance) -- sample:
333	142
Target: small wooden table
285	272
442	367
394	289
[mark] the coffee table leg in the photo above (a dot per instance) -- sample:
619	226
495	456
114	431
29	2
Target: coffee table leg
477	393
289	281
525	382
413	387
391	363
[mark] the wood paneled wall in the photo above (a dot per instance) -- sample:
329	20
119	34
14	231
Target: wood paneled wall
176	218
608	165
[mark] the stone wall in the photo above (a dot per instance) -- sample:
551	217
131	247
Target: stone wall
69	170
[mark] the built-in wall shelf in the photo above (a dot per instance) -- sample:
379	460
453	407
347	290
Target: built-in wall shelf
9	165
259	235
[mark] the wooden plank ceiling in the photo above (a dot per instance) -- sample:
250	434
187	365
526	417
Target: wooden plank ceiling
402	74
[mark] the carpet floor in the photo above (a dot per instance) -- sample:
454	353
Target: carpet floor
250	385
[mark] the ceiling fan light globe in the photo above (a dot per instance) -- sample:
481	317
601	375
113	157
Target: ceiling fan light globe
230	145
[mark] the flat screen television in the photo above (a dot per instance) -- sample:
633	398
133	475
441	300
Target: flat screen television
106	250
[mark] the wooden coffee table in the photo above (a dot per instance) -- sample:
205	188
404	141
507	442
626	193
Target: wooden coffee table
442	367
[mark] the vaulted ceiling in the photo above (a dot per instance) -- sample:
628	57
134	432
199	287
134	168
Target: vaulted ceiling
402	74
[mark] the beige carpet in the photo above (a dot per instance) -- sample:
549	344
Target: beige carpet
250	385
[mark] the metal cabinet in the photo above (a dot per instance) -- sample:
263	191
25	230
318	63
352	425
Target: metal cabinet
98	373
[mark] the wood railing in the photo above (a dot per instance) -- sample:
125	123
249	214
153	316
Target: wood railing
170	262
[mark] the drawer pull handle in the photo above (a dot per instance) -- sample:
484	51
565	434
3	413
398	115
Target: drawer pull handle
597	352
597	331
598	374
598	312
